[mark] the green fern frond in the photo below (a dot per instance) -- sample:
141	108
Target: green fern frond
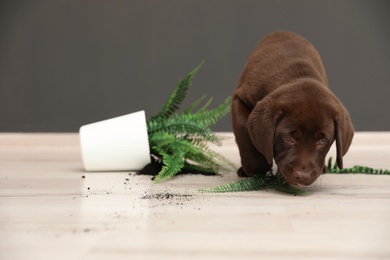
195	104
182	125
204	160
357	169
207	160
172	164
189	167
248	184
221	160
161	139
270	181
205	106
175	124
210	117
183	145
178	95
201	154
256	183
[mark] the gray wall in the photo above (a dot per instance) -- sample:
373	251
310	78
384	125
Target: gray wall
67	63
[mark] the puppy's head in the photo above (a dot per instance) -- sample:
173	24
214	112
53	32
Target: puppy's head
297	129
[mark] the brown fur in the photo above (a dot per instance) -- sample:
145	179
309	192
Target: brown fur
282	109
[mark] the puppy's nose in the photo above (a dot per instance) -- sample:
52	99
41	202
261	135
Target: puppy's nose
301	176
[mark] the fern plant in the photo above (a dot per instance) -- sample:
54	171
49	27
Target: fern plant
180	141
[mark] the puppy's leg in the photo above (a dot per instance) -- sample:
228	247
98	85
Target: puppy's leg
252	161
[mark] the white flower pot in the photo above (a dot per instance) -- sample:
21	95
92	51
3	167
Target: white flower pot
116	144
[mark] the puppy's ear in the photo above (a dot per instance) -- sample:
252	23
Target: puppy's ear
343	134
261	127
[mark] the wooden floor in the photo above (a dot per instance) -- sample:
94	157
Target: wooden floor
51	209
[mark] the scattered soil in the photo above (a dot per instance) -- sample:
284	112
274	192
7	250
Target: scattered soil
168	196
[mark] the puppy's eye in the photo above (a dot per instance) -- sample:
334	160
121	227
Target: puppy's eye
289	139
321	143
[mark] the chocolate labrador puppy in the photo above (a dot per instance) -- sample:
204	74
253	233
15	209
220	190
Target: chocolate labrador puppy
282	109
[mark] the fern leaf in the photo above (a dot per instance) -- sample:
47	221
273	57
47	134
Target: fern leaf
210	117
182	125
208	158
189	167
178	95
196	103
185	148
256	183
172	164
200	154
161	139
220	160
204	160
205	106
248	184
357	169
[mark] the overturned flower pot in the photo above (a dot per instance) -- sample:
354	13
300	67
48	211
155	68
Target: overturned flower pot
116	144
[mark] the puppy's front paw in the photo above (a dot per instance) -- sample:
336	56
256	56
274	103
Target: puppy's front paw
242	173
